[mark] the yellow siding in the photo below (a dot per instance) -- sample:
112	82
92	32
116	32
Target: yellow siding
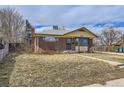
79	34
59	36
73	34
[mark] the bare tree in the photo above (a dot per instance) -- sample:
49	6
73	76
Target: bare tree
109	36
11	25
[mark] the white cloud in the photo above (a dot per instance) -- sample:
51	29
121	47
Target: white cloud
72	16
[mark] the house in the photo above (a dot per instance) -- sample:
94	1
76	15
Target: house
119	46
59	40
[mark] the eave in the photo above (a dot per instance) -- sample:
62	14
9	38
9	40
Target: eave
59	36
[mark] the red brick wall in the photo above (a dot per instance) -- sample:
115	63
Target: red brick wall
46	45
59	45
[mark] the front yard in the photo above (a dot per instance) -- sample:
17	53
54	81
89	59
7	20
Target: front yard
55	71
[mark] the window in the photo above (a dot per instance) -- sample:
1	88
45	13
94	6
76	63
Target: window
83	42
68	44
68	41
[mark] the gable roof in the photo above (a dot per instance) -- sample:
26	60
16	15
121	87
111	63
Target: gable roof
83	29
61	31
54	32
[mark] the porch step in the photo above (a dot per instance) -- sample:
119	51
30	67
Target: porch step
69	51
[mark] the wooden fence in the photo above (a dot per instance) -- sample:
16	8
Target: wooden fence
4	52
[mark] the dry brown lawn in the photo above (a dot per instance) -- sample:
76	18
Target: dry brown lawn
59	70
6	68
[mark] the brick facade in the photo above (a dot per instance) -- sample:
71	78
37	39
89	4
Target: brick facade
58	46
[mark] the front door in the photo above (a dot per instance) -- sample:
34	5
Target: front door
68	44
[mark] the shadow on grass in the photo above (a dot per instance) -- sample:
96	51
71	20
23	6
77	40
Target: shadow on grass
6	68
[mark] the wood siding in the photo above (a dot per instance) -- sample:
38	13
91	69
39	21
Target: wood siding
79	34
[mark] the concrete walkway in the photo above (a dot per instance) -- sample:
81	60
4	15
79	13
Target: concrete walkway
95	85
113	53
107	61
115	83
112	83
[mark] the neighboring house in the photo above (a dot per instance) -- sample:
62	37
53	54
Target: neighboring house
119	46
59	40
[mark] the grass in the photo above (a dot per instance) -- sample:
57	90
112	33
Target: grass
6	68
56	70
111	57
61	70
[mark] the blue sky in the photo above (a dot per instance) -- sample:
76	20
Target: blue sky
92	17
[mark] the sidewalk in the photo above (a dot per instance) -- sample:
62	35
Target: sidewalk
107	61
112	83
109	53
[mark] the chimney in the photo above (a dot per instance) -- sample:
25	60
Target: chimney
55	27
